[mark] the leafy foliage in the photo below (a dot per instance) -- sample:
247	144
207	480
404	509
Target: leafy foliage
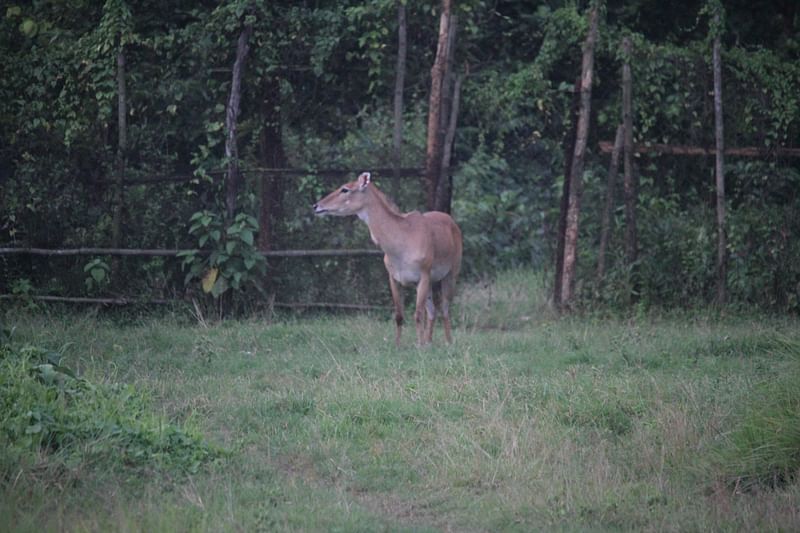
97	271
232	260
52	418
327	71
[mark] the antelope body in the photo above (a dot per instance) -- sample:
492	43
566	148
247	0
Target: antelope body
420	248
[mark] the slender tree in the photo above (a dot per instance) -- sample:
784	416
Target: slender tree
444	189
629	178
442	194
611	184
435	137
122	150
576	171
115	29
569	149
719	158
399	85
233	176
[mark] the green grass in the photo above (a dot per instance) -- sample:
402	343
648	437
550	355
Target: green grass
527	422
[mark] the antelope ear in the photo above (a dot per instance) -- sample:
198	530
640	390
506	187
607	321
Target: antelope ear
363	181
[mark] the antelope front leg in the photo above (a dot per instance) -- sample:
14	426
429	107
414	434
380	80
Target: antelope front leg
397	299
423	291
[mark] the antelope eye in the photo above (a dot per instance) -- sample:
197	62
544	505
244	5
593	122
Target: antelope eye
344	190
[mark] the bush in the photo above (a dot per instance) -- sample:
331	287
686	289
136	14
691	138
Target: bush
50	417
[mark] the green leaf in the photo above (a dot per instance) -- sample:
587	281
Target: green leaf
219	287
47	373
28	27
98	274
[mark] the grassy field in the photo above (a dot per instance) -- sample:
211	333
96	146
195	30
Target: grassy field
527	422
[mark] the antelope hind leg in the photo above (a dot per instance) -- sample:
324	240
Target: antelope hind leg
423	293
448	286
430	310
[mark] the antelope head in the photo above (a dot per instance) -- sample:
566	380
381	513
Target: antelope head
349	199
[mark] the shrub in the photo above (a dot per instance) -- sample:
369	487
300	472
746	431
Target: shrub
50	417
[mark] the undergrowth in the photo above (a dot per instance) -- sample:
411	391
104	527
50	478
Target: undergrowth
54	420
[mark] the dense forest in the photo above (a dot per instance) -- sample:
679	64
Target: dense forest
209	129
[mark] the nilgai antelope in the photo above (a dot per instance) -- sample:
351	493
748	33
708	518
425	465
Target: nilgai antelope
421	248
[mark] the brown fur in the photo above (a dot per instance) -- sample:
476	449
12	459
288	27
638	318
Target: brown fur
420	248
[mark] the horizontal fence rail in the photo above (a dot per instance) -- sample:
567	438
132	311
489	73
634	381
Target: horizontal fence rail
404	172
163	301
674	149
395	172
144	252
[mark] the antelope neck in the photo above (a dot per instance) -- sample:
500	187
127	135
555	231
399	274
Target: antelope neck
384	223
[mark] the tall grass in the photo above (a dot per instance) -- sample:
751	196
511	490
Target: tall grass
763	447
528	421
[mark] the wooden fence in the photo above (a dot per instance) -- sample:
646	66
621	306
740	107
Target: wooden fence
138	252
145	252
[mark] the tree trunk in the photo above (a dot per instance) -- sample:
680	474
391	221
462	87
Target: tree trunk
231	120
441	200
122	150
272	155
569	149
399	85
576	171
629	181
611	184
433	156
722	262
444	189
